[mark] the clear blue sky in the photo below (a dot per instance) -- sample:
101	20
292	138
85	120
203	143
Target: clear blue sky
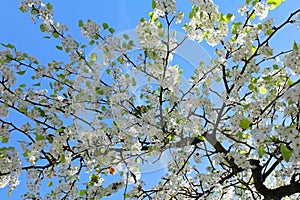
18	29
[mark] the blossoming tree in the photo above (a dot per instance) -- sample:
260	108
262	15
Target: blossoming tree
80	119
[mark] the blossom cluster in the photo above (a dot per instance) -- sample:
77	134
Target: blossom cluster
164	7
292	60
205	24
39	8
90	29
10	167
150	36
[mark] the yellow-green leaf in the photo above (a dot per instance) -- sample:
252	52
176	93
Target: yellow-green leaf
244	123
93	57
39	137
261	150
82	192
262	90
295	46
274	3
285	152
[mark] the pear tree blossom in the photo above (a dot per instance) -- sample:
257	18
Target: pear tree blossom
84	133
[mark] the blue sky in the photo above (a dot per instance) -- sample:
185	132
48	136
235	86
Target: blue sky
18	29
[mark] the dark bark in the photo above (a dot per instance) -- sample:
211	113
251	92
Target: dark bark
276	193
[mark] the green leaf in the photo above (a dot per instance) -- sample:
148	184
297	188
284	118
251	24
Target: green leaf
239	135
275	67
254	2
261	150
254	80
126	75
153	4
226	18
3	139
285	152
111	30
6	149
50	138
34	11
23	110
42	112
108	71
170	137
260	26
125	36
22	9
252	16
133	81
105	26
201	137
55	34
92	42
191	15
290	82
269	32
82	192
49	6
39	137
251	86
244	123
88	84
21	72
246	106
60	130
59	47
295	46
99	91
62	158
159	25
234	28
26	153
254	49
62	76
23	85
121	60
80	23
229	17
42	27
10	46
49	184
